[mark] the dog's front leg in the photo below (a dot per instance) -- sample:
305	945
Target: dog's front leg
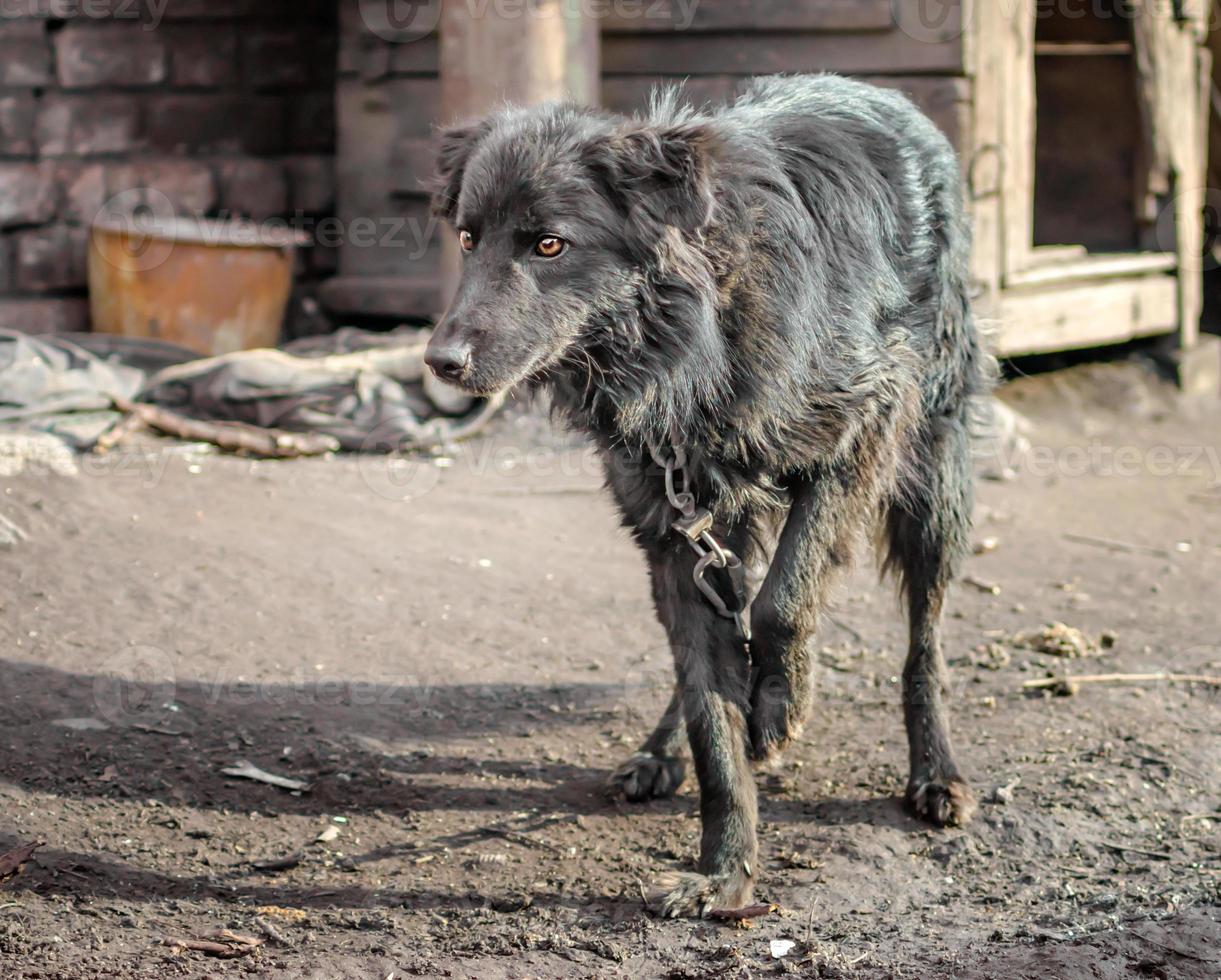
713	676
829	508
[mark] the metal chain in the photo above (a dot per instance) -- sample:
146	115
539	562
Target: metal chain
695	525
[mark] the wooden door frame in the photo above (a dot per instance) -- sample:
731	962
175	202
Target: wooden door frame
1051	297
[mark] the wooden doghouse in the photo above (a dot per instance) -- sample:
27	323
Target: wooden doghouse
1081	125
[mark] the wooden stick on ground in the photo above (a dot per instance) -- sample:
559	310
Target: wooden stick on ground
1158	855
127	424
234	437
227	950
748	912
1068	682
1122	546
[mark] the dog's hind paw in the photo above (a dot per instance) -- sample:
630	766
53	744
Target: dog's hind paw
646	776
685	894
945	803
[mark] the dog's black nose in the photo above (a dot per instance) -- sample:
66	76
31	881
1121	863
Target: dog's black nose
449	363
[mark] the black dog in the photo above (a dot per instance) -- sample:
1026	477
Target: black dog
766	303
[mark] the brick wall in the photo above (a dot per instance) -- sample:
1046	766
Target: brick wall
224	106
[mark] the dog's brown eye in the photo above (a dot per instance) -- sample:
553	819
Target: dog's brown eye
549	246
466	240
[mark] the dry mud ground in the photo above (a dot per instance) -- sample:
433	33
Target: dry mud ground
455	657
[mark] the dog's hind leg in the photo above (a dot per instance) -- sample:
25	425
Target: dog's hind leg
713	677
656	770
929	530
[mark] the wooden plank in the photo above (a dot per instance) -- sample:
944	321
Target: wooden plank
1081	49
1042	255
1193	195
1016	67
891	53
504	53
981	152
509	53
1214	100
648	16
1047	269
1085	315
1174	87
1199	16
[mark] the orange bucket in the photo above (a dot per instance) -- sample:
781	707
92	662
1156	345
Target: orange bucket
211	286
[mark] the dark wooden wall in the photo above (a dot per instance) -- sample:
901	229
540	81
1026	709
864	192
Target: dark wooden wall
389	101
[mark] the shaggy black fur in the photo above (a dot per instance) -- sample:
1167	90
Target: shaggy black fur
782	282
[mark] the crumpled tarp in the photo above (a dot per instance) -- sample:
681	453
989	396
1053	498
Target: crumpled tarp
47	375
365	389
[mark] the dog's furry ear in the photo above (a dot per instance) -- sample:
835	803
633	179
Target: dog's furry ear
660	175
456	146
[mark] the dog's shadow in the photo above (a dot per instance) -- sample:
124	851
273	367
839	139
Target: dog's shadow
384	749
372	747
492	753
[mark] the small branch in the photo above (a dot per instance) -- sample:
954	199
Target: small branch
230	947
234	437
525	840
991	588
738	915
246	770
1159	855
153	730
1071	679
1123	546
129	423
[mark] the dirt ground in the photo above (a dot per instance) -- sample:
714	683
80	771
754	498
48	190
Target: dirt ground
445	651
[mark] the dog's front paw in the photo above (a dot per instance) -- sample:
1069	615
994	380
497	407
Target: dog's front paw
944	802
681	893
646	776
775	721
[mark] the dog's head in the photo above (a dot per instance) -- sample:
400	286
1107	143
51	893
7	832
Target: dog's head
560	213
